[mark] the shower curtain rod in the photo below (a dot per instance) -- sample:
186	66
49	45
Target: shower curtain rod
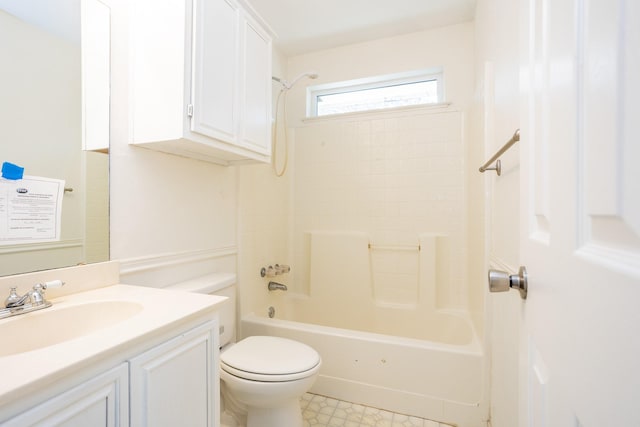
498	167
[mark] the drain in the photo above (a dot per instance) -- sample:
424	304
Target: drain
272	312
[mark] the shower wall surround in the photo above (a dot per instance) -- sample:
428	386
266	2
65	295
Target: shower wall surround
395	177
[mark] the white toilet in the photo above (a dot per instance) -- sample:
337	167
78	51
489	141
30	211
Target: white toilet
262	377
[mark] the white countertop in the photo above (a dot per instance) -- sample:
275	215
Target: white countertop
162	310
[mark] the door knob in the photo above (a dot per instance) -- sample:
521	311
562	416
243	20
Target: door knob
501	281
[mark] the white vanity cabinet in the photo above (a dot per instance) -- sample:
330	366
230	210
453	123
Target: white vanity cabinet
101	401
173	383
201	80
177	383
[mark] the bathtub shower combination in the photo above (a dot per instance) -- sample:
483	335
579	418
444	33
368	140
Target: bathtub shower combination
383	346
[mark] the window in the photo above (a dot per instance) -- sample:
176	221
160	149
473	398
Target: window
415	88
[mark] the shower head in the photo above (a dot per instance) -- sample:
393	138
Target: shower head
286	85
297	79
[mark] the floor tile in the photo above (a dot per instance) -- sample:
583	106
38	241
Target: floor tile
321	411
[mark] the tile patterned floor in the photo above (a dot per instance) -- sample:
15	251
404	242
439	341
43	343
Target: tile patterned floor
320	411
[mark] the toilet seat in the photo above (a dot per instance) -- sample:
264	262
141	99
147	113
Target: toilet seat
270	359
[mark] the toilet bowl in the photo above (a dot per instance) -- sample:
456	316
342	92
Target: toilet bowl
268	375
262	378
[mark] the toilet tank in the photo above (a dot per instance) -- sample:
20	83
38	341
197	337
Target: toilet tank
220	284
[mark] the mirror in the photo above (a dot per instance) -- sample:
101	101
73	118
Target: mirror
48	116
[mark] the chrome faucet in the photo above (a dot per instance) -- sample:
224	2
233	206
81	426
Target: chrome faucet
31	301
274	286
34	296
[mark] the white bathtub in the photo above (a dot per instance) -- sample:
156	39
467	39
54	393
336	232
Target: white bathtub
436	372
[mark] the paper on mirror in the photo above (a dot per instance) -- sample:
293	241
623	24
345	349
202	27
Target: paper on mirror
30	210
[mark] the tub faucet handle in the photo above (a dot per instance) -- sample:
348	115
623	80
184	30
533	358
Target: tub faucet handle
268	271
281	269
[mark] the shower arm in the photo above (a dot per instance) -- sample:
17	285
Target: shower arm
286	85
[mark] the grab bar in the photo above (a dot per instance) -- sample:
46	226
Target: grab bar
498	167
394	248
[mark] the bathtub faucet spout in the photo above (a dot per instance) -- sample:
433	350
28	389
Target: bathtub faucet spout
274	286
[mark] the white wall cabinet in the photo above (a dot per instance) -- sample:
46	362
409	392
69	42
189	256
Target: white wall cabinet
101	401
176	383
201	80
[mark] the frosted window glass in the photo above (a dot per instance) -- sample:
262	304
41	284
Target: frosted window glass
398	95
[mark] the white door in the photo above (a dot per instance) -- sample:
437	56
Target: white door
580	213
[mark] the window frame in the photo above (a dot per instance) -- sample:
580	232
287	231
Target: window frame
313	92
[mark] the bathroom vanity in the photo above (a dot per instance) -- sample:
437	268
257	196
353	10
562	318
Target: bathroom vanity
117	355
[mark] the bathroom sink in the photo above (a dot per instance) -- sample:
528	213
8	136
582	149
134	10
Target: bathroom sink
88	329
55	325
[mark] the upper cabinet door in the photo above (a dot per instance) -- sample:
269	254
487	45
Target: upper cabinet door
256	117
216	69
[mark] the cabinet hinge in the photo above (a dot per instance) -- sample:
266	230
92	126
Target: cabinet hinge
190	110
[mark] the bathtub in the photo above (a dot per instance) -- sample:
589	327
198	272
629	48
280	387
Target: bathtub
434	371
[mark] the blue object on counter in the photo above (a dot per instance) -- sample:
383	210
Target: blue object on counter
11	171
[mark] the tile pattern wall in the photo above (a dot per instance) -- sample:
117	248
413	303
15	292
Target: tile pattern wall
263	230
393	176
97	207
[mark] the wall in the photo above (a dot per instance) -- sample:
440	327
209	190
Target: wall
264	214
172	218
396	178
496	116
96	171
265	201
450	48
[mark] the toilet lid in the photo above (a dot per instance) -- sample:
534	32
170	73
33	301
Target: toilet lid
270	356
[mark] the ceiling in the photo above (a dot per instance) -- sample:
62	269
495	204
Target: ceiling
301	26
61	17
304	26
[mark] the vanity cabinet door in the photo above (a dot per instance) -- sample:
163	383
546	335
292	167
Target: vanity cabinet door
177	382
102	401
